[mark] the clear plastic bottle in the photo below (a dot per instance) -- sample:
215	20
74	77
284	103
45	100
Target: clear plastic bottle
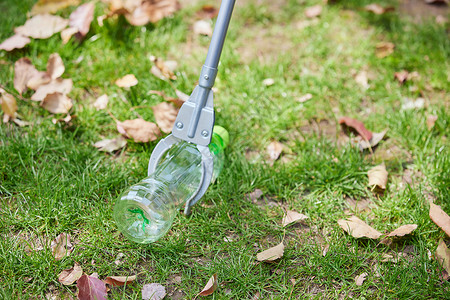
145	211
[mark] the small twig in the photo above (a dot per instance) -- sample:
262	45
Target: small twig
112	116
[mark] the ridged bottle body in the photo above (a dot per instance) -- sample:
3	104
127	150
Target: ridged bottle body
145	211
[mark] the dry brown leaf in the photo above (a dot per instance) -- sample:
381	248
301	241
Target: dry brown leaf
163	69
61	246
139	130
443	256
401	76
305	98
62	86
67	34
81	18
66	119
38	79
313	11
127	81
203	27
23	72
207	12
42	26
101	102
362	79
165	115
358	228
55	66
359	280
271	254
69	276
355	126
403	230
9	106
51	6
440	218
255	195
384	49
111	145
140	13
17	41
210	286
431	120
437	1
378	9
153	291
119	280
57	103
274	150
377	137
91	288
378	177
291	217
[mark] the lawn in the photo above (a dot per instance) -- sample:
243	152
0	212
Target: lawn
53	180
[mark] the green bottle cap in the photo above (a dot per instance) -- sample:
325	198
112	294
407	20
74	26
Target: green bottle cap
223	133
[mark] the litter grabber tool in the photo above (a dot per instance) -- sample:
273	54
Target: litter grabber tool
195	120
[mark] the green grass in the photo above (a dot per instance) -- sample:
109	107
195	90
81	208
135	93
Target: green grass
52	179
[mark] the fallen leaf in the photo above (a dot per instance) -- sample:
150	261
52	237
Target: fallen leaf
17	41
42	26
274	150
127	81
384	49
325	250
101	102
436	1
271	254
163	70
69	276
51	6
165	115
362	80
139	130
61	246
440	218
305	98
443	256
153	291
413	104
378	177
291	217
119	280
431	120
38	79
203	27
111	145
358	228
401	76
255	195
62	86
23	72
67	34
210	286
313	11
81	18
9	105
357	126
91	288
55	66
360	279
66	119
208	12
268	81
378	9
403	230
377	137
148	11
182	96
57	103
